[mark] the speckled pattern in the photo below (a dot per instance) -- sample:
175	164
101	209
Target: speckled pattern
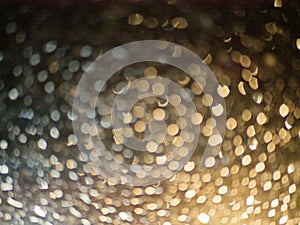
253	50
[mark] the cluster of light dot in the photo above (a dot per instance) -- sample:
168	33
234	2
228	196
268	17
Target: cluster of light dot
255	178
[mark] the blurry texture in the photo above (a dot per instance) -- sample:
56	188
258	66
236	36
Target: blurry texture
254	52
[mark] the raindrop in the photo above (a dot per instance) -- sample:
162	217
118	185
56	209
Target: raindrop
49	87
3	144
42	144
42	76
74	66
13	94
35	59
27	52
55	115
17	70
54	132
86	51
11	27
50	46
